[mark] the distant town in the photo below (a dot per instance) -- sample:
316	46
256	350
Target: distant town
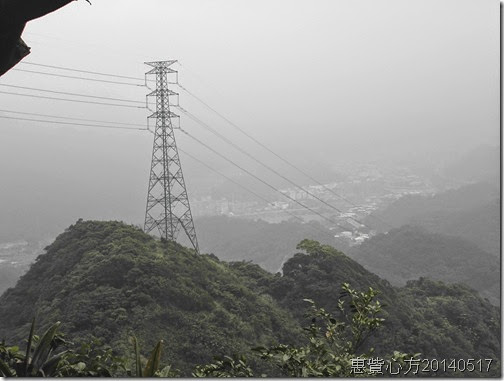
365	189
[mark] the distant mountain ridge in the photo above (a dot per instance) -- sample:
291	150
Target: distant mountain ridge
267	244
411	252
479	165
471	212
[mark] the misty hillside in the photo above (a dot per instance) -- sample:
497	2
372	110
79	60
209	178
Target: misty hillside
471	212
266	244
108	280
478	165
8	277
479	224
411	252
15	260
424	316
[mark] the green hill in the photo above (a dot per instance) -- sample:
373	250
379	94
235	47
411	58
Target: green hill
471	212
8	277
411	252
424	316
108	280
479	224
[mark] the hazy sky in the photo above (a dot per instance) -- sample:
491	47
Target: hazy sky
317	81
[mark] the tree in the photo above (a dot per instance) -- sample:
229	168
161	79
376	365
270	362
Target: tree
332	344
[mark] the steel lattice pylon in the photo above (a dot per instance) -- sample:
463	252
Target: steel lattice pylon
168	207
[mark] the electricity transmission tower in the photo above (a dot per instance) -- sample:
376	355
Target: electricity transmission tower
168	208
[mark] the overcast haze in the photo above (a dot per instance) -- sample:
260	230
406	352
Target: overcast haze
318	81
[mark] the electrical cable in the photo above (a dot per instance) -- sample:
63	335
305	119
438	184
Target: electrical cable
70	118
81	71
275	154
72	94
257	195
72	100
86	71
250	191
199	78
199	121
73	124
202	102
262	198
261	180
203	124
188	114
82	78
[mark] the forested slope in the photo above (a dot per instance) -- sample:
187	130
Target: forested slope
471	212
411	252
433	318
110	280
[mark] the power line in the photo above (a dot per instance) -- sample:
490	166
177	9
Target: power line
72	100
72	94
271	186
199	121
275	189
275	154
82	78
69	118
72	124
193	117
81	71
199	78
258	195
248	135
261	180
124	83
249	190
